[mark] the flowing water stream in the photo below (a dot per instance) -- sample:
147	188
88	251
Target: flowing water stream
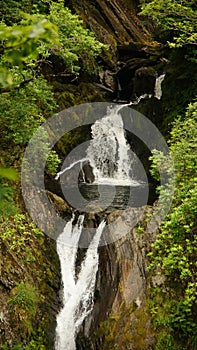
77	289
112	162
109	153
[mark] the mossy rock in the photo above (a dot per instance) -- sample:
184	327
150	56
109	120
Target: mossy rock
69	95
129	328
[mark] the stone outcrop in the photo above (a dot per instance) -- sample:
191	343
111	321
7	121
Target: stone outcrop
120	318
117	24
114	22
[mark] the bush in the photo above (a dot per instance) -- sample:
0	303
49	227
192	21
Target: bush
175	249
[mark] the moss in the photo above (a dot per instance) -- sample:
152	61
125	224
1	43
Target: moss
27	255
128	328
69	95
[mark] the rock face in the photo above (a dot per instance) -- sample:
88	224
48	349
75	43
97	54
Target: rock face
86	174
113	21
120	318
117	24
29	283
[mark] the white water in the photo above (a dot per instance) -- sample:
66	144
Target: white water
158	89
70	167
78	291
109	154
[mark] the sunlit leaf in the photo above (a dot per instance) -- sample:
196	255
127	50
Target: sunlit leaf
9	173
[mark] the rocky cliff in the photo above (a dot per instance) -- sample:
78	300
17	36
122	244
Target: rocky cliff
114	22
120	318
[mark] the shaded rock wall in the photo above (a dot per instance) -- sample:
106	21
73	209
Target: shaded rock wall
120	318
116	24
113	22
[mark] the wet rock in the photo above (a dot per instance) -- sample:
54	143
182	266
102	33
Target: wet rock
120	311
144	81
86	174
108	79
136	78
59	204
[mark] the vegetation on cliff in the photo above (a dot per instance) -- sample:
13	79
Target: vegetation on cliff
177	21
173	303
43	51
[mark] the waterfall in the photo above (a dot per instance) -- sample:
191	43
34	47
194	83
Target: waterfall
78	290
109	153
158	89
112	161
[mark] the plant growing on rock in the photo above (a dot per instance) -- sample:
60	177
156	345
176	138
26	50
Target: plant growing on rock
174	251
175	18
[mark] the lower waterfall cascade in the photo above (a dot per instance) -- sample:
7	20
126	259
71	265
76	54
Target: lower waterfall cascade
77	290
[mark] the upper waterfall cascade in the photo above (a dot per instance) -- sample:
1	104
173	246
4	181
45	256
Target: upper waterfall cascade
109	153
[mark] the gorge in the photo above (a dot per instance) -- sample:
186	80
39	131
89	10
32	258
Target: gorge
88	259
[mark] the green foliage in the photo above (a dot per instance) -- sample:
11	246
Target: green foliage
10	11
20	234
7	205
52	162
8	173
35	38
22	111
27	110
20	42
175	249
166	341
178	18
25	296
23	43
24	302
6	194
78	46
33	345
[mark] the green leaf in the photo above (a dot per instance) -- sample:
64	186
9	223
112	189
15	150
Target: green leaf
9	173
